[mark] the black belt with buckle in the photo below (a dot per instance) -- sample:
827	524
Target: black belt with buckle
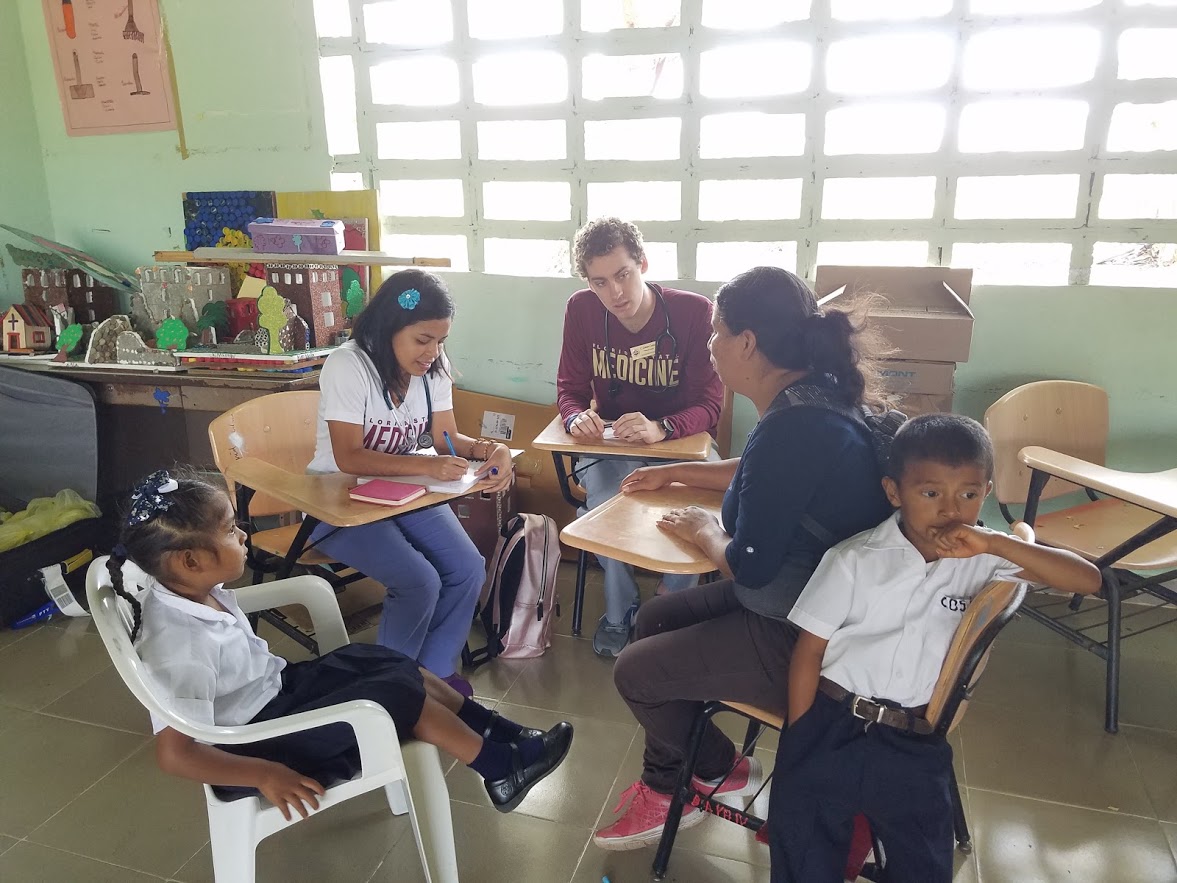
908	720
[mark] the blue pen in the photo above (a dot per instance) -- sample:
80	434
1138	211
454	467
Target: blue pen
494	470
449	444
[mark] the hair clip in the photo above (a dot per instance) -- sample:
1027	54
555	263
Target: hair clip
148	499
409	298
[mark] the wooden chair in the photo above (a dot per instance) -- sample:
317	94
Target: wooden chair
1050	440
987	614
278	429
411	775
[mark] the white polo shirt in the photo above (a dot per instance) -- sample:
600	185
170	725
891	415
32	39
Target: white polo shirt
208	666
890	616
352	392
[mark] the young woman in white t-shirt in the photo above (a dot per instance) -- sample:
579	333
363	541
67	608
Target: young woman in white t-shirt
387	395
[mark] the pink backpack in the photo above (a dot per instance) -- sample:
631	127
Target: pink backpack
518	604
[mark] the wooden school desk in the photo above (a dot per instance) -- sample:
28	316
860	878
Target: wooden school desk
625	528
561	443
323	499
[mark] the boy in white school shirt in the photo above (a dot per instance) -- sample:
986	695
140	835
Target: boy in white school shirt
876	621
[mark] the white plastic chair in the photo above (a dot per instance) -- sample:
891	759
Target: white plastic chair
411	774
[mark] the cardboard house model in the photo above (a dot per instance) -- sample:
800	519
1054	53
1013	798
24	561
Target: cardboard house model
243	315
176	291
314	290
90	300
26	327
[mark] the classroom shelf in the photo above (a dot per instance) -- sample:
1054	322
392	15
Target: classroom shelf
345	258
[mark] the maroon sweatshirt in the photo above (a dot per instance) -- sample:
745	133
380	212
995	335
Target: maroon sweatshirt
677	382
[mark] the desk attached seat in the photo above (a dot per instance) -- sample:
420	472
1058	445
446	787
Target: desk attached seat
563	446
1050	440
262	447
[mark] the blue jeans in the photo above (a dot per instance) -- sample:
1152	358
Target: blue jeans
432	574
601	480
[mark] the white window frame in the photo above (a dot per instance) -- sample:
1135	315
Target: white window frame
941	231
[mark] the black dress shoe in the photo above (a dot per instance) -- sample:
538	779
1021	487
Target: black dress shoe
508	792
525	732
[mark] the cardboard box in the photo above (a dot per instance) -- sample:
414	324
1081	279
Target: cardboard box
483	515
515	424
909	378
293	236
926	316
916	404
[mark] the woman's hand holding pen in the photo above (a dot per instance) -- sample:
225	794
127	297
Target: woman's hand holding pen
445	468
496	474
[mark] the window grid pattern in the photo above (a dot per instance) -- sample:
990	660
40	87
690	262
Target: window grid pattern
942	231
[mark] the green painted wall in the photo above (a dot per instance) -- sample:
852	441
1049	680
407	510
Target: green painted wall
252	113
251	107
24	198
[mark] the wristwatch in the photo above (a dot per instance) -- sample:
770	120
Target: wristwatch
667	426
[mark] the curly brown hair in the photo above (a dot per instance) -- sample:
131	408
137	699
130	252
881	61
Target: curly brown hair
601	236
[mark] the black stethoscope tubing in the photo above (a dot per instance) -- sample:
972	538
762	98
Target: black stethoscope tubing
425	439
614	381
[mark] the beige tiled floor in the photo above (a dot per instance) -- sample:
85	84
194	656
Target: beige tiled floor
1050	796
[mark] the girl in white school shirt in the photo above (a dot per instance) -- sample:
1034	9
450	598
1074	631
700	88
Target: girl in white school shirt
387	394
208	665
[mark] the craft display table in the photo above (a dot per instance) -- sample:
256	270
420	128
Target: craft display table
155	420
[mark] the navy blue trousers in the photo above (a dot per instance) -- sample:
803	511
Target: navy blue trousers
830	767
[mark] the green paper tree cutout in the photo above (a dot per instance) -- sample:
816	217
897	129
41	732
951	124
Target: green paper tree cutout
69	338
172	335
215	315
271	316
354	298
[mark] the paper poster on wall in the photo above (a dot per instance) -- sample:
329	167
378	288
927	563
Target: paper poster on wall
498	425
111	66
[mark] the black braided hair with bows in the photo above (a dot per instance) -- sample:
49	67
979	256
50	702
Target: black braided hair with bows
167	513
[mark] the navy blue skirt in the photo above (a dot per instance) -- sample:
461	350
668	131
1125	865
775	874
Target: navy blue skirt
355	671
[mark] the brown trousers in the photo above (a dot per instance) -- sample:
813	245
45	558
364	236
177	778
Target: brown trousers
690	647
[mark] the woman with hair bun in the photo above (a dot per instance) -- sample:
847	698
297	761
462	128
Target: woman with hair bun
808	478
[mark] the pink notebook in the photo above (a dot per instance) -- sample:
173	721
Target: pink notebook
386	493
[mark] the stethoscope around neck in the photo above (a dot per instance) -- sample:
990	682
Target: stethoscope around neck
425	439
610	374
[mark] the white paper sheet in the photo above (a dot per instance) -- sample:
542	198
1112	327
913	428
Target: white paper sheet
434	485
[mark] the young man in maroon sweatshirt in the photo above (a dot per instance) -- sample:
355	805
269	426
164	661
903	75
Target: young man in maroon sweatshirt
635	354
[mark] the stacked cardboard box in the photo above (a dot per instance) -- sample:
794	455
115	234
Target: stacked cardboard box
924	317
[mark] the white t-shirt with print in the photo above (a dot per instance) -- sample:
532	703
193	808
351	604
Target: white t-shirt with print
888	614
352	392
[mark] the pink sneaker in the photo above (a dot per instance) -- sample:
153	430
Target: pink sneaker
643	820
745	779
